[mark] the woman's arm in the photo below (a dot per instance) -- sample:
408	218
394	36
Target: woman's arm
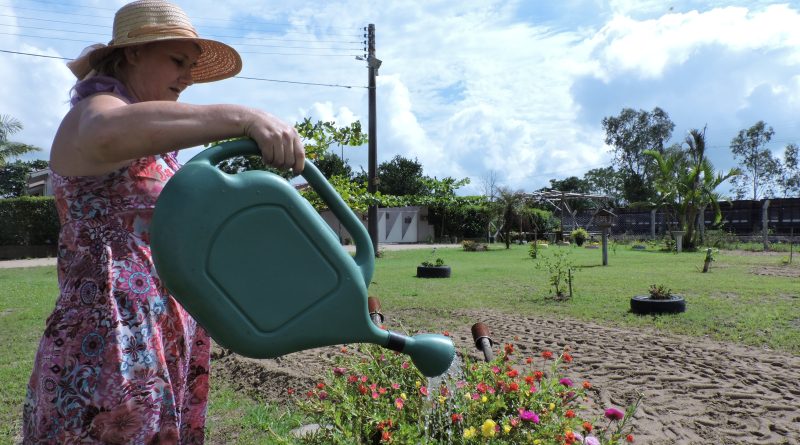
103	133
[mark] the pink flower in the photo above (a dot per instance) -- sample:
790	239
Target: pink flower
495	370
375	395
404	365
533	389
323	395
339	371
460	384
614	414
423	390
565	381
398	403
363	379
528	416
395	386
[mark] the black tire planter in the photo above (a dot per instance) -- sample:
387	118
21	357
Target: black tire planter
433	271
644	305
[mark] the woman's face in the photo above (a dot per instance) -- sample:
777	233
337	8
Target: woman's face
161	70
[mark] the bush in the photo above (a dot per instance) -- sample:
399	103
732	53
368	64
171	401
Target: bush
472	246
28	221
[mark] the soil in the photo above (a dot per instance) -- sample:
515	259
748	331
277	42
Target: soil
696	390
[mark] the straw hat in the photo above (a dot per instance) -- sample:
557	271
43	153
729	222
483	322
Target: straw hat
145	21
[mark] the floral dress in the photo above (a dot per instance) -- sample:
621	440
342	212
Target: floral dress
120	362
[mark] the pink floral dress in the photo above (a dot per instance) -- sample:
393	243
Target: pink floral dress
120	361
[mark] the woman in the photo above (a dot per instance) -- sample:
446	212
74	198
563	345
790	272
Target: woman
120	360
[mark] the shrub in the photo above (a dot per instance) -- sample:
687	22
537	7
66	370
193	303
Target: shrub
660	292
28	221
472	246
374	396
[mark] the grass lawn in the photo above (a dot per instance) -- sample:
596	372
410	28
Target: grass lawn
730	303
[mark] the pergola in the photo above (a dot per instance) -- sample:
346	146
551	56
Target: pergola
560	200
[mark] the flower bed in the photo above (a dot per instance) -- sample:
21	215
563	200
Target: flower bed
373	395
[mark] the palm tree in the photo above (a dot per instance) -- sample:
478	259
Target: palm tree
509	204
686	183
9	149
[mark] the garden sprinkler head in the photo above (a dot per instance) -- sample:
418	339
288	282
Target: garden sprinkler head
480	333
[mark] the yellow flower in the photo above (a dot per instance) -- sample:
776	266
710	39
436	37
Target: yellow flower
487	429
552	406
506	428
442	399
468	396
470	432
484	399
537	442
418	383
403	396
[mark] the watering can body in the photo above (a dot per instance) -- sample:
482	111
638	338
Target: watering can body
254	263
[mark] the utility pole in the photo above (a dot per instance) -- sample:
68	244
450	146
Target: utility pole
372	185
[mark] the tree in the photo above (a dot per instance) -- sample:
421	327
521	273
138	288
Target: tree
607	182
14	177
9	149
759	167
511	204
317	138
401	176
686	184
333	165
630	134
789	181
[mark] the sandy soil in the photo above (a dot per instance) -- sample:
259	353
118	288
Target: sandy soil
695	390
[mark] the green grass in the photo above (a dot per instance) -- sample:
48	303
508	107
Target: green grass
729	303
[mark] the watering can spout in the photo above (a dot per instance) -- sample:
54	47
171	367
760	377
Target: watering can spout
432	354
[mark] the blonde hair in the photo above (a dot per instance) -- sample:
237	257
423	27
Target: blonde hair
113	64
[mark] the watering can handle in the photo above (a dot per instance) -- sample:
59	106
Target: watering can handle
365	257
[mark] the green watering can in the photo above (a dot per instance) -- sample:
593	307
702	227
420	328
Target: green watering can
262	272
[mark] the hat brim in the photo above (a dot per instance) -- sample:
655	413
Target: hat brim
217	60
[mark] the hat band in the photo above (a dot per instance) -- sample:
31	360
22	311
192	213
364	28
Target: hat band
158	30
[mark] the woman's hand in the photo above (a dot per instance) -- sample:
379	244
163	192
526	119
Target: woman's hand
278	141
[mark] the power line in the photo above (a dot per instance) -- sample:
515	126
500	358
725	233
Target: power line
235	77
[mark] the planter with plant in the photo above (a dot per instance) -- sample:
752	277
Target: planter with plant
434	268
660	300
579	235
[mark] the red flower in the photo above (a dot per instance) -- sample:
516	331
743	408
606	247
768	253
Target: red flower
529	379
386	436
529	360
586	385
362	389
290	391
566	357
343	350
587	427
629	438
352	379
320	385
538	375
446	333
547	355
513	373
456	418
509	348
513	386
569	414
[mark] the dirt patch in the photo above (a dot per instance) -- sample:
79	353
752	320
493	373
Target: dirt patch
777	271
696	390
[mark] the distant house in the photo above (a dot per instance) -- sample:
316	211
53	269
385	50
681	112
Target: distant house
40	183
395	225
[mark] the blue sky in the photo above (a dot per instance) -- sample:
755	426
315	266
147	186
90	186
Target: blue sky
518	88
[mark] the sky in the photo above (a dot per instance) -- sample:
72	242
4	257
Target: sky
470	89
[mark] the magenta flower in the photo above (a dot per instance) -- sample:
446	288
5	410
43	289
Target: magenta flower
614	414
495	369
323	395
566	382
404	365
528	416
339	371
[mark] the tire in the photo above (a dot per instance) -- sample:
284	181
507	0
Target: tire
433	272
643	305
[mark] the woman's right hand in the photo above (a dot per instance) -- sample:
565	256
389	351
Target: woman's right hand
278	141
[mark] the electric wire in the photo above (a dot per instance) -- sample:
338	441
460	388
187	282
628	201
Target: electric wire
235	77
